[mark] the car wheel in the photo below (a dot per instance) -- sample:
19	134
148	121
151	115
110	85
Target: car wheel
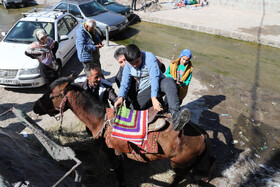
99	32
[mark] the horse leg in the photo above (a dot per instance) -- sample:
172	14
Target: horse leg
178	176
116	163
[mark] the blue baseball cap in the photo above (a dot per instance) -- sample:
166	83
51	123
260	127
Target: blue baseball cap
186	52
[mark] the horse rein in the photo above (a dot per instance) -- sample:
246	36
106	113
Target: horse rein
60	108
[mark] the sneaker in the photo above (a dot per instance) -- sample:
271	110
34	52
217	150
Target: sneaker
181	119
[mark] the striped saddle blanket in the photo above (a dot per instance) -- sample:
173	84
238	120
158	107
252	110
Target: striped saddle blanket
131	125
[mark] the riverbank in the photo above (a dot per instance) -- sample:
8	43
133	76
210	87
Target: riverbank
252	26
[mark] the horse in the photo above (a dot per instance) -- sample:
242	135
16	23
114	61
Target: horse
188	149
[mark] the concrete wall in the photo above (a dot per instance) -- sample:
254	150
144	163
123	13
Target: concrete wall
269	6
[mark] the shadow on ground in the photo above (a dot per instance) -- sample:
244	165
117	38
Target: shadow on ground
221	136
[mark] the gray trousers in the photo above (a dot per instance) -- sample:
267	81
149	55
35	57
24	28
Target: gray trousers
168	88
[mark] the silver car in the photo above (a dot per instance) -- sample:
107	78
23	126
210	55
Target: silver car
91	9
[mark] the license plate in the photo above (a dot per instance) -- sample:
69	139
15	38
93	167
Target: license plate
11	82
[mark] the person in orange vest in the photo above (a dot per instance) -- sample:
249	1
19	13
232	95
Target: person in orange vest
181	71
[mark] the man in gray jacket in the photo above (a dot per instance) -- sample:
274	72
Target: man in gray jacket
99	88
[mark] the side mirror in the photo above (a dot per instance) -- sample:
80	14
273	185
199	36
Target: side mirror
63	38
3	33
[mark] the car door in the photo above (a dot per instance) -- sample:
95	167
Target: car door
72	25
64	46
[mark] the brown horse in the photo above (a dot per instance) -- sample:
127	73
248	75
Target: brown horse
188	149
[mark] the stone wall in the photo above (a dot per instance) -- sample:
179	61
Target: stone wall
269	6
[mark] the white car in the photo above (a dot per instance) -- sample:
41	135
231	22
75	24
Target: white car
20	71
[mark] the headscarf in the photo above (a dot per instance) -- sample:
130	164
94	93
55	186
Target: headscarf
186	52
40	33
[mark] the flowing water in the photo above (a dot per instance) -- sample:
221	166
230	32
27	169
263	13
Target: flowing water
228	57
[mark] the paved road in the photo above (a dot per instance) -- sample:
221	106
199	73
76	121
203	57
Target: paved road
244	25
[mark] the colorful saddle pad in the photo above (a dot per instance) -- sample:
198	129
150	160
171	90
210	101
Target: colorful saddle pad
131	125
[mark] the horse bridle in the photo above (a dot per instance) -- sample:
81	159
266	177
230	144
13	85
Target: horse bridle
60	108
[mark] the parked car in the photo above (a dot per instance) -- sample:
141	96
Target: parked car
91	9
113	6
20	71
8	3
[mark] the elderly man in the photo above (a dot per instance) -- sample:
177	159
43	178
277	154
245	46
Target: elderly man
100	88
88	43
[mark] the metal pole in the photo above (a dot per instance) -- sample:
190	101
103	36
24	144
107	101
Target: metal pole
145	6
107	35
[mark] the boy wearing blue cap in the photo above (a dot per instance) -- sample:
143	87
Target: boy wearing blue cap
181	70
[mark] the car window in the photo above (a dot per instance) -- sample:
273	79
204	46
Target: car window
24	31
73	9
92	8
71	22
62	6
62	28
49	29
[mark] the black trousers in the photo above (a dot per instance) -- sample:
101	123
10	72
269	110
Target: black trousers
133	5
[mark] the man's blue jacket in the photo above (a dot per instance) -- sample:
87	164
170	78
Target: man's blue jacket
85	44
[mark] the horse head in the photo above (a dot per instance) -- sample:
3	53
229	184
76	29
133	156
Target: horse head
54	101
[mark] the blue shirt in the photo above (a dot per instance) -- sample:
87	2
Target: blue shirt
148	75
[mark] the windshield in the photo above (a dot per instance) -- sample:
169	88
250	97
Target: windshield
23	31
92	8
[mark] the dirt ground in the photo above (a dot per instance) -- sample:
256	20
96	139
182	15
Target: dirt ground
242	121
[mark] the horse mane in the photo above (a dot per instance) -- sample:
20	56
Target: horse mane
83	98
90	104
60	81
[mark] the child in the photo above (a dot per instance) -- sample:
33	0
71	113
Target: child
181	70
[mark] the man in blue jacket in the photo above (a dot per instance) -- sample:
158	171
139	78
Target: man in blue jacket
151	84
88	43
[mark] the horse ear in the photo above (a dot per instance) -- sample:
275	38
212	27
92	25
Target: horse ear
60	89
63	86
73	75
